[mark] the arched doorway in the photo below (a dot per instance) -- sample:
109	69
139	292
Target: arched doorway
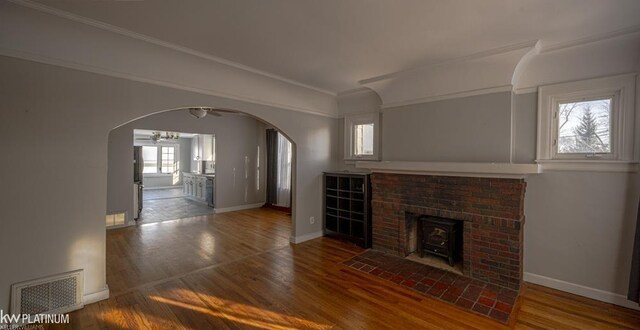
240	148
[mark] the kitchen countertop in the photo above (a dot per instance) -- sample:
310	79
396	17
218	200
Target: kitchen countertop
209	175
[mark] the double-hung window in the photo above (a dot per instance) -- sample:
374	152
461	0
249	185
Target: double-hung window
159	159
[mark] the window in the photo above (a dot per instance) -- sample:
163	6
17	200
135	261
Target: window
361	133
160	159
150	158
168	160
588	121
363	140
584	127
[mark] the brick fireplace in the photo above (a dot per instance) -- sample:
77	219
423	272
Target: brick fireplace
491	209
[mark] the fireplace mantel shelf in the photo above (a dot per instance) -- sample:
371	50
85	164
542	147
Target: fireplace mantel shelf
493	170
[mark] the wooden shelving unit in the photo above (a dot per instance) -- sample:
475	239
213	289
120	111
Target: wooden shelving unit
347	207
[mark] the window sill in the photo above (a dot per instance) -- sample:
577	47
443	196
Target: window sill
156	175
624	166
356	159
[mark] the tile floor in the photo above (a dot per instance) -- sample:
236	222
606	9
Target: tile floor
170	204
470	294
149	194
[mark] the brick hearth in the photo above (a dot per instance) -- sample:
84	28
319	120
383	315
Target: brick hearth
492	210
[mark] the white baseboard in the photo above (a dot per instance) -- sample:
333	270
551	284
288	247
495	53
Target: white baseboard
305	237
91	298
124	225
238	208
597	294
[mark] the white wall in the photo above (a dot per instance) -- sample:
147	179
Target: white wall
237	137
64	116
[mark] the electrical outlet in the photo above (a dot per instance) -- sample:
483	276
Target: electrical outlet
312	220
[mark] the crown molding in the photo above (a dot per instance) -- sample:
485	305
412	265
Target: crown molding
525	90
158	42
355	91
117	74
456	95
590	39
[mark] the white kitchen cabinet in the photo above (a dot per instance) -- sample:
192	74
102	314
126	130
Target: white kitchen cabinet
195	186
206	144
195	148
198	186
203	189
203	147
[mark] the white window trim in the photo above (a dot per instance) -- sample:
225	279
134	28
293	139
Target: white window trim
350	121
622	91
161	144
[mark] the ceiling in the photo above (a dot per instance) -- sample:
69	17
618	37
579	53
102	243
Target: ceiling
334	44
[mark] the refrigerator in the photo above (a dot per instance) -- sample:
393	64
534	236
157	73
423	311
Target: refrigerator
138	166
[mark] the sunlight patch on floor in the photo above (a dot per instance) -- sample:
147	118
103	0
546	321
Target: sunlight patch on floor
248	315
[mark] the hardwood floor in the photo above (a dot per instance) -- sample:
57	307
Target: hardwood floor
238	270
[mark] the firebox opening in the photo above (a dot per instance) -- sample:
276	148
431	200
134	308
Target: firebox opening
435	241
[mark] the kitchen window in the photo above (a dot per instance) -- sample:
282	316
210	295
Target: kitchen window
587	125
150	159
159	159
168	160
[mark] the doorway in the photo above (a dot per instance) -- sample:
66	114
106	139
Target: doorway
174	175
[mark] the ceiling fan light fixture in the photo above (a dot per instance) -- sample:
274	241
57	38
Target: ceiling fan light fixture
198	112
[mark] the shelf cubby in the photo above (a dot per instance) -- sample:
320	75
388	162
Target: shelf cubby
347	207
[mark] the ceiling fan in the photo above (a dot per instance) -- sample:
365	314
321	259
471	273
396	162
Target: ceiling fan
201	112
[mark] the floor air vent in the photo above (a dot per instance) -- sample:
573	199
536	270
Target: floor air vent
51	295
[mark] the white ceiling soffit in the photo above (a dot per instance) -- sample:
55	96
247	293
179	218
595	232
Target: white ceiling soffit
54	37
518	68
477	74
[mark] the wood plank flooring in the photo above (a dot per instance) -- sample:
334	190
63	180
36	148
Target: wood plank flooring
238	270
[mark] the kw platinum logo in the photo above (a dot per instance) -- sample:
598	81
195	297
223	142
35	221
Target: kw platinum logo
12	321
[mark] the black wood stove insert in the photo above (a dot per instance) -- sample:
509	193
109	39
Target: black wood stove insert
439	236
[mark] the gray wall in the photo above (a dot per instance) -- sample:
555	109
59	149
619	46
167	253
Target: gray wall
466	129
237	137
525	111
64	117
579	225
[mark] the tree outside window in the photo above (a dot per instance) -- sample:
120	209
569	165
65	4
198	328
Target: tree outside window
584	127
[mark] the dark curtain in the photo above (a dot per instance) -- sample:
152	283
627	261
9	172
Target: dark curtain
272	166
634	280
